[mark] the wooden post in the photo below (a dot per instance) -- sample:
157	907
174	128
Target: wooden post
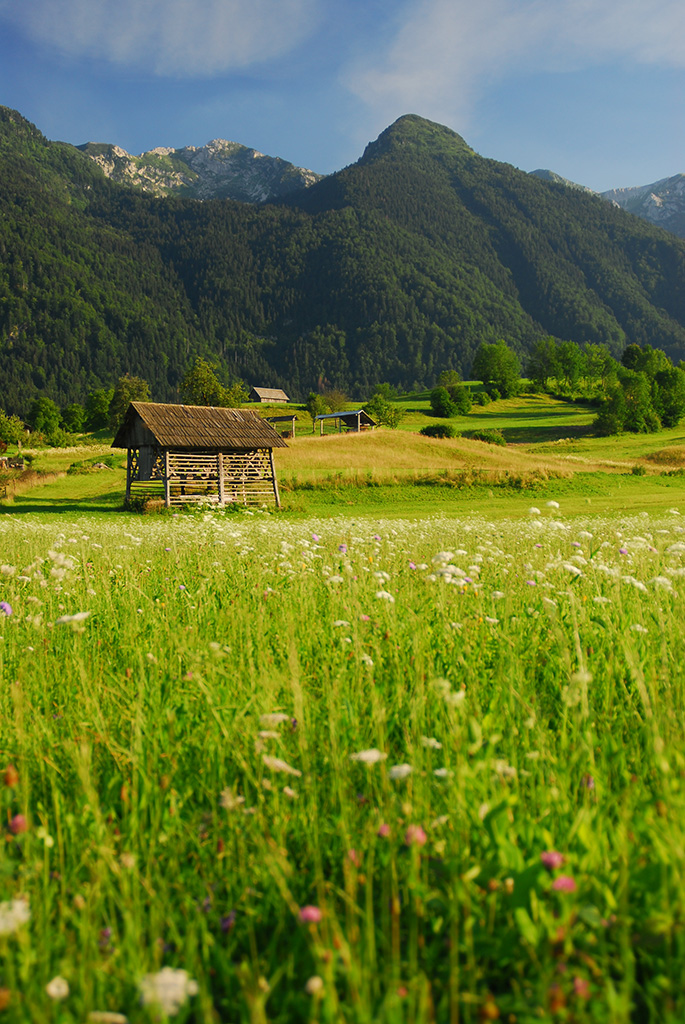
320	428
292	428
167	489
359	422
129	459
273	477
220	469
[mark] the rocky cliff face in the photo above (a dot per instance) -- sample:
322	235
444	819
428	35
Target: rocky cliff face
662	202
219	170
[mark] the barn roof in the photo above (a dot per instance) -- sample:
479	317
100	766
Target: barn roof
195	426
270	394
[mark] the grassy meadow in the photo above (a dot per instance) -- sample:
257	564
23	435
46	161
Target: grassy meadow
408	750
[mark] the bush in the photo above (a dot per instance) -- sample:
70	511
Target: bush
482	398
441	403
461	398
491	436
439	430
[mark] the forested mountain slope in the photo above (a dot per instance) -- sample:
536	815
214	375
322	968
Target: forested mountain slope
392	269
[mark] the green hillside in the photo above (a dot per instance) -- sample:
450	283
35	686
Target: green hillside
392	269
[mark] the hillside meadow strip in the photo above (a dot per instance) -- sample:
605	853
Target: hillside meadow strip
257	769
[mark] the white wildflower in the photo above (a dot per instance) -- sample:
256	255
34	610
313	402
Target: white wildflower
431	743
341	622
13	914
552	504
278	765
274	718
491	620
58	988
77	617
443	773
290	793
106	1017
230	800
383	595
533	511
169	989
335	579
442	557
400	771
637	628
366	659
371	756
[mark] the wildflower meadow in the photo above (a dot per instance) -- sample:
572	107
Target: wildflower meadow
256	769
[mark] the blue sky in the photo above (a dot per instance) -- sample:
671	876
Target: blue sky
593	89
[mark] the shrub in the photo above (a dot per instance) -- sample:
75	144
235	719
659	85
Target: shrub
439	430
482	398
491	436
441	403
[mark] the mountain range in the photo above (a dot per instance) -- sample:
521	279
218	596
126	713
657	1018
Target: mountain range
228	170
661	203
219	170
391	269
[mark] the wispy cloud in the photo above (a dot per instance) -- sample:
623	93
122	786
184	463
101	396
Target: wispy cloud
167	37
446	52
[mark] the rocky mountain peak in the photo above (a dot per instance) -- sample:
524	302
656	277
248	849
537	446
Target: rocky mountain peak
218	170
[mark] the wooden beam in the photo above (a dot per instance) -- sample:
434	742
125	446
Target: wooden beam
167	489
273	477
220	469
129	457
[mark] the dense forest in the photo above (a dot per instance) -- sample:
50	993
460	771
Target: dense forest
391	270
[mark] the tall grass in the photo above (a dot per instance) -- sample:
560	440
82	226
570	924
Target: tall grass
515	850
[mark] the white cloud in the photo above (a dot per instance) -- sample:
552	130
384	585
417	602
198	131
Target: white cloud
167	37
446	51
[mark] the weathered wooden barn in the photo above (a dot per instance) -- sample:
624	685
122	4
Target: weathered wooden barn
268	396
196	454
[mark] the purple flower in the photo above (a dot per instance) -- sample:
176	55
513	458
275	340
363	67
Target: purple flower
310	915
588	782
412	565
315	537
531	583
376	537
564	883
228	921
552	859
5	608
415	836
342	548
623	551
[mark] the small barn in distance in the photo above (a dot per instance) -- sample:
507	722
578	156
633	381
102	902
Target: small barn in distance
268	396
199	454
353	421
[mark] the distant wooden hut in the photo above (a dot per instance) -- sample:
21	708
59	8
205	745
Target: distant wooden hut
199	454
268	396
354	421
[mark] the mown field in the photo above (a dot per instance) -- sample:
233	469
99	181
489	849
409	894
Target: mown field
409	750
